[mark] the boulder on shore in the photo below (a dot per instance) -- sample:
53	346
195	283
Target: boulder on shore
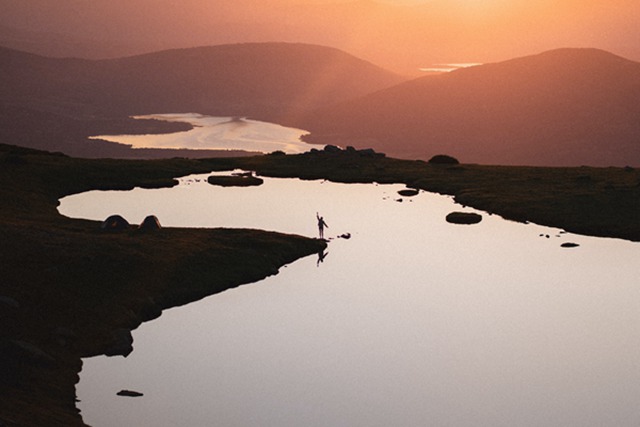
114	223
464	218
151	222
332	149
443	159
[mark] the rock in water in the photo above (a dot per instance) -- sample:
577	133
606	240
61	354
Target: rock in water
129	393
409	192
464	218
235	180
569	245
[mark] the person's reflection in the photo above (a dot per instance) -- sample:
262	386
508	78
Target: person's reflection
321	256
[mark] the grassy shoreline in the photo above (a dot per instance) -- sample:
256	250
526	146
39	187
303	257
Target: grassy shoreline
77	288
70	290
602	202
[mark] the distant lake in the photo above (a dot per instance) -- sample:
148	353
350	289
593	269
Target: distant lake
411	322
219	133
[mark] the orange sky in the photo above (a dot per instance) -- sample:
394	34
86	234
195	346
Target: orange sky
401	35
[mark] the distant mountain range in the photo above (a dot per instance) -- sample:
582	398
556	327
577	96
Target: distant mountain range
565	107
402	36
268	81
561	107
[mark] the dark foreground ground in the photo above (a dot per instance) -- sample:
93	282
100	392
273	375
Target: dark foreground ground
69	290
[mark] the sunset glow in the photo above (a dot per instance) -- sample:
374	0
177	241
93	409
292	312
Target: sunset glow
401	35
231	129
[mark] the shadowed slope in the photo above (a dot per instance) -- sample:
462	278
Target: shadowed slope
261	80
255	79
267	81
563	107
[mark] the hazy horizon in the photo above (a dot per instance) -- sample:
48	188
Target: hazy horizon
403	36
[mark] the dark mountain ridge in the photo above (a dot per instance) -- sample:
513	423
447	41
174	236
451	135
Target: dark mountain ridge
563	107
265	80
260	79
269	81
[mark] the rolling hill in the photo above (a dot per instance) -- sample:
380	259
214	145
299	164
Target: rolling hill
47	101
566	107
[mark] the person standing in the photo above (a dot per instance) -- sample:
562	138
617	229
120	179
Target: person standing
321	225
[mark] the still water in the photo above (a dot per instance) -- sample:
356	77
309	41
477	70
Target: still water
410	322
219	133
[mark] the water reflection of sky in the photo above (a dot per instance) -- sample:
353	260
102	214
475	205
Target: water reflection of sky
447	68
219	133
411	322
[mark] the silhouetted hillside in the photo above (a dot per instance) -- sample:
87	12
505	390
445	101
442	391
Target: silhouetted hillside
562	107
270	81
261	80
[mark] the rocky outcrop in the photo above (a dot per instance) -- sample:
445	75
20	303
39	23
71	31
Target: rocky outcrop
332	149
443	159
121	344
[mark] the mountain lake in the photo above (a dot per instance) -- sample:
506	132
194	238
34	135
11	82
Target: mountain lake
219	133
411	321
